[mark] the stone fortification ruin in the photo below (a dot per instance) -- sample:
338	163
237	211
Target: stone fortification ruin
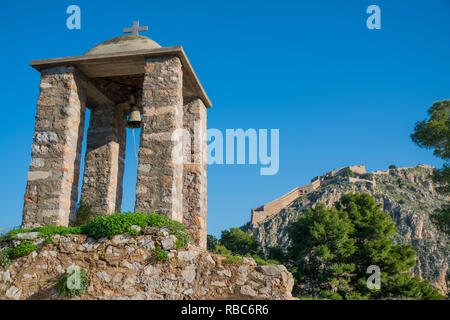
351	173
120	74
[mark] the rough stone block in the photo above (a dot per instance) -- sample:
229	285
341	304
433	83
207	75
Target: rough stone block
160	154
52	180
104	169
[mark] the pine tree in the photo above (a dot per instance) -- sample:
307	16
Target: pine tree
434	133
332	249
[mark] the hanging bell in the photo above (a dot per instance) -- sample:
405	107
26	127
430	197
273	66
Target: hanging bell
134	118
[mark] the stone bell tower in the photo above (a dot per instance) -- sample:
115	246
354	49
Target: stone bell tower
111	78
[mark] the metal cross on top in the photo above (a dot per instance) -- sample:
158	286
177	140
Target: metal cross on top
135	29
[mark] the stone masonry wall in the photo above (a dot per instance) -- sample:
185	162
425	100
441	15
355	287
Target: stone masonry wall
104	161
52	180
160	170
194	171
124	267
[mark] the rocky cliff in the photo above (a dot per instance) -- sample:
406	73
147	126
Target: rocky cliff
407	194
127	267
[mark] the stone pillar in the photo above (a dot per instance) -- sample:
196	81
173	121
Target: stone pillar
52	180
194	171
160	170
104	161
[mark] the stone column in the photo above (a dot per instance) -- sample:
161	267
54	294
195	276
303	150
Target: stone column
194	171
160	170
52	180
104	161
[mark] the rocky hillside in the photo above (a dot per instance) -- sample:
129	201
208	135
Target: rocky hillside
142	267
407	194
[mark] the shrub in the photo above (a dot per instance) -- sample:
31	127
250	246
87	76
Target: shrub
211	243
222	250
118	223
67	285
5	259
238	241
233	259
161	255
23	249
134	232
179	244
277	253
348	173
261	261
392	166
334	246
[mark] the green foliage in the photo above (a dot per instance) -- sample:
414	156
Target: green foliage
441	218
405	286
434	133
118	223
134	232
231	259
114	224
46	231
217	247
277	253
442	178
179	244
23	249
238	241
5	259
261	261
49	230
332	249
348	173
84	214
10	235
222	250
234	244
99	227
161	255
367	176
63	287
392	166
321	245
211	242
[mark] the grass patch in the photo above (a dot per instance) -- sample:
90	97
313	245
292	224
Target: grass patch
46	231
23	249
118	223
69	286
5	259
237	259
161	255
108	226
261	261
179	244
233	259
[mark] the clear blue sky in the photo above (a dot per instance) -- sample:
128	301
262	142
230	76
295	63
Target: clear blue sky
339	93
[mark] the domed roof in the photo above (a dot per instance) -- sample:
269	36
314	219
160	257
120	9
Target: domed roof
123	44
